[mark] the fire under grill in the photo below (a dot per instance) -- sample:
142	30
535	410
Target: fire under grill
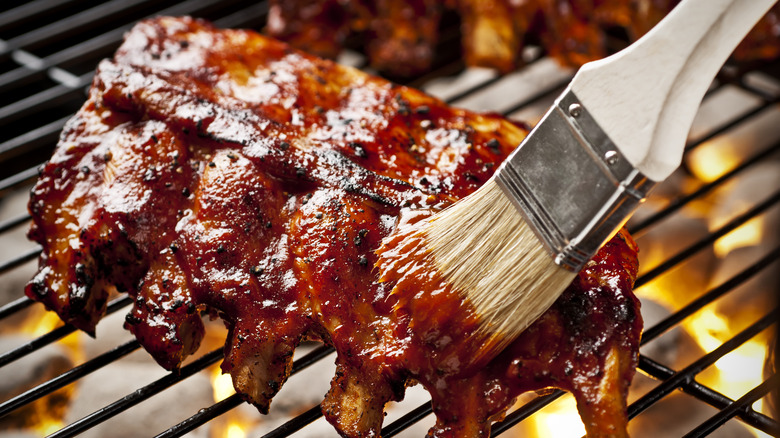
709	247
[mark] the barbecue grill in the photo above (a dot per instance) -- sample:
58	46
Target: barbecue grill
49	48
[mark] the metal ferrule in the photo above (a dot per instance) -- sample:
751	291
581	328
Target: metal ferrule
571	183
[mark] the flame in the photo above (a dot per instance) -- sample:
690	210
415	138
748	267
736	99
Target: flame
234	424
713	159
747	234
47	426
44	416
222	384
234	430
559	419
740	370
737	372
743	367
708	328
41	321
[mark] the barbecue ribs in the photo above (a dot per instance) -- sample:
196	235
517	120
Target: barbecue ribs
401	35
222	173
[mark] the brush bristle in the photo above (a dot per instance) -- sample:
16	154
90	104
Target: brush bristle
483	246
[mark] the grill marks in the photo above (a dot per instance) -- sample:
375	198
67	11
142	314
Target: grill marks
208	193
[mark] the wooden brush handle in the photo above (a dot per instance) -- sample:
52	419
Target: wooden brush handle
646	96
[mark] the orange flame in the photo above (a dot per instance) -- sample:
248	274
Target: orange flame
747	234
558	419
713	159
234	423
737	372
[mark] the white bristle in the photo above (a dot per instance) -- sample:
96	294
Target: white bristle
483	246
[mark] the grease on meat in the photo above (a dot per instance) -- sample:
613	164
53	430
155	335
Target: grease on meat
221	172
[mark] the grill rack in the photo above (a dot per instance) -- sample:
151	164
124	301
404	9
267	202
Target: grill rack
44	72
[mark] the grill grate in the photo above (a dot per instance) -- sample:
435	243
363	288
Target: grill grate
48	50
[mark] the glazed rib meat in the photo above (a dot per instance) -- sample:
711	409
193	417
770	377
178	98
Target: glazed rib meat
222	173
401	35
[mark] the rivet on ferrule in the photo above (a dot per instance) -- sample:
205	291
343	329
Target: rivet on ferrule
611	157
575	110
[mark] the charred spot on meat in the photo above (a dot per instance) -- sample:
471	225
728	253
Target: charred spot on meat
225	180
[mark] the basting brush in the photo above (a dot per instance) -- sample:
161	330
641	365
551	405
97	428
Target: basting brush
619	128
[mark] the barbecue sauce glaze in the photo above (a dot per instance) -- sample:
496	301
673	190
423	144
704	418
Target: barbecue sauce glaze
219	172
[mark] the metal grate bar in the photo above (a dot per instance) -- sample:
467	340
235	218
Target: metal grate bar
462	94
101	44
67	377
712	237
12	223
83	20
678	203
29	72
672	320
53	335
407	420
31	10
552	90
204	416
705	394
687	375
471	90
59	94
14	306
734	409
476	88
296	424
138	396
19	260
526	411
207	414
763	94
37	138
19	178
243	17
33	69
742	118
24	350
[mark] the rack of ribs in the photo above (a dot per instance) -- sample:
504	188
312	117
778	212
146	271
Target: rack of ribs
221	173
400	36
